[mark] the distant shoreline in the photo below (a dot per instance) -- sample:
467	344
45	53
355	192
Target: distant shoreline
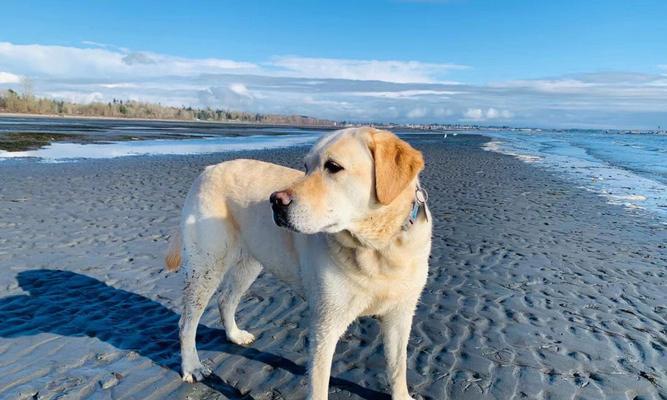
22	135
197	121
32	139
237	123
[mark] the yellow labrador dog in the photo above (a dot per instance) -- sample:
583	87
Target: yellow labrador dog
352	235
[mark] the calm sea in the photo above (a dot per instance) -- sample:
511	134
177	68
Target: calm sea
627	169
119	138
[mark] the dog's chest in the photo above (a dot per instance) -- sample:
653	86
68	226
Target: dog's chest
384	277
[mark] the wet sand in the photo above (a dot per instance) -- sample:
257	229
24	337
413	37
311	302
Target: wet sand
537	289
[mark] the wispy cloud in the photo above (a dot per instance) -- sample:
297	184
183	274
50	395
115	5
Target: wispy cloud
74	62
90	43
344	89
416	113
366	70
478	114
547	85
407	94
6	77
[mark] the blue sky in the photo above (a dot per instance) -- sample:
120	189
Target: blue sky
540	63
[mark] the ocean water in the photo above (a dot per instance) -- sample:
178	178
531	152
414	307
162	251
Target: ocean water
63	151
110	138
627	169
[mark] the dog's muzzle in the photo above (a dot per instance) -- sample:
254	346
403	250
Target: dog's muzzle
280	202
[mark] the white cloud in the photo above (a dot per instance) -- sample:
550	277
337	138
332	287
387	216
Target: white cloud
506	114
235	95
343	89
548	86
369	70
406	94
605	85
478	114
103	60
74	62
416	113
474	114
441	112
6	77
78	97
492	113
92	43
120	85
240	89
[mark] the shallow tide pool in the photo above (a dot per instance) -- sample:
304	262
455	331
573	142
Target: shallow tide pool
59	152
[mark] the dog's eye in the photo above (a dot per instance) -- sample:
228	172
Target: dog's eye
332	167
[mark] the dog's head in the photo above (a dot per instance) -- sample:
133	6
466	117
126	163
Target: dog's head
350	174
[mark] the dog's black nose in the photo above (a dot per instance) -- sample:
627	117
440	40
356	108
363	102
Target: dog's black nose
281	199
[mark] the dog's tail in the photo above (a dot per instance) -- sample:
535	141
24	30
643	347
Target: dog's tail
173	257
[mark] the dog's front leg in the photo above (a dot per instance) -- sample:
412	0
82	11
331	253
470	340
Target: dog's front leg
396	325
328	323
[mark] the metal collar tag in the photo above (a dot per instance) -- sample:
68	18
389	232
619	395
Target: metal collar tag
419	204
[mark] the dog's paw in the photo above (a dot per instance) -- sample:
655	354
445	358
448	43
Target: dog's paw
196	374
241	337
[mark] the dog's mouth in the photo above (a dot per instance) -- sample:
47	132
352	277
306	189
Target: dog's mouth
281	219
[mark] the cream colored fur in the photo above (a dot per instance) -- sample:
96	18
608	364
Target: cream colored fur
347	254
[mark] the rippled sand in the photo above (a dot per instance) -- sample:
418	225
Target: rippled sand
537	289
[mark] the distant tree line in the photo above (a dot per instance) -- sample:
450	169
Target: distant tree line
13	102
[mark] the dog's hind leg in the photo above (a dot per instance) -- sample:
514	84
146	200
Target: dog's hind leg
200	284
237	281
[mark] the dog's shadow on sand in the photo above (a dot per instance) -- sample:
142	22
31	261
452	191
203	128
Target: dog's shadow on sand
70	304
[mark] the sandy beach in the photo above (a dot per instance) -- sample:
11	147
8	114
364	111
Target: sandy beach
537	289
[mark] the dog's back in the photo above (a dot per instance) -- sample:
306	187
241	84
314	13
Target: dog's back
227	208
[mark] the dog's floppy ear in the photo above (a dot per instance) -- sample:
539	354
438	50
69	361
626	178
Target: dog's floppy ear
396	165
